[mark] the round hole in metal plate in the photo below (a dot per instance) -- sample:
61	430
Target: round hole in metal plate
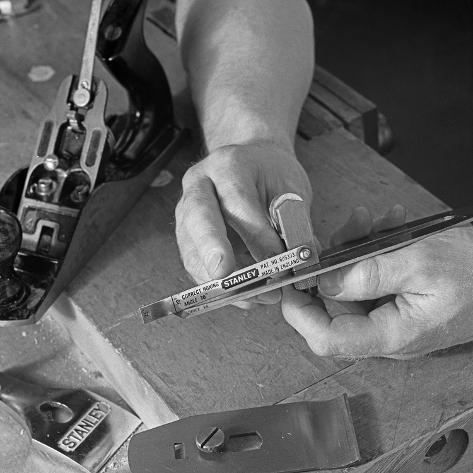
56	411
445	452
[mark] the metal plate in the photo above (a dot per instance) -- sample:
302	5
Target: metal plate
302	436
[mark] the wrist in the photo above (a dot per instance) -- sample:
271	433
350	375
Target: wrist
258	146
248	128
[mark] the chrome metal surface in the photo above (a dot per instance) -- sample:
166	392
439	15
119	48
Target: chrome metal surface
290	216
83	94
210	440
195	299
330	259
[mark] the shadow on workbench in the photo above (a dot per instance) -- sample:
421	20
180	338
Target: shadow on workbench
366	425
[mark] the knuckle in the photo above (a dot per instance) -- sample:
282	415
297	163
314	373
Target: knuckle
191	198
395	342
387	339
231	191
241	209
192	192
373	275
220	161
422	267
226	154
191	176
229	166
369	274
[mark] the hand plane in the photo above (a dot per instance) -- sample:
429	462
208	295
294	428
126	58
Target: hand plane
301	264
88	169
76	423
285	438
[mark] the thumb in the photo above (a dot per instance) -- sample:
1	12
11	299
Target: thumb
372	278
200	230
15	440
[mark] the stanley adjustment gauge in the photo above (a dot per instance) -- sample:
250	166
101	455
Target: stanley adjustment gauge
300	264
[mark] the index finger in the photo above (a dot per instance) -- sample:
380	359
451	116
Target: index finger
201	231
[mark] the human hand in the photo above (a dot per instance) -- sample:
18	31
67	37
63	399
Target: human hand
234	185
432	281
20	454
15	440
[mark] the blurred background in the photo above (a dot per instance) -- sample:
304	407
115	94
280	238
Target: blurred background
414	59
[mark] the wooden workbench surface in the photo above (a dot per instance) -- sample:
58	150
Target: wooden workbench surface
230	358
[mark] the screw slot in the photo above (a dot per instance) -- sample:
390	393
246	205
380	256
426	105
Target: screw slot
211	440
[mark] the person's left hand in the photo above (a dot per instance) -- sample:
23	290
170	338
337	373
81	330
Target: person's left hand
19	453
420	297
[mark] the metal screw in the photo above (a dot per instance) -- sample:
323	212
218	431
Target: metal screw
113	32
211	440
51	162
305	253
45	185
80	193
81	97
44	188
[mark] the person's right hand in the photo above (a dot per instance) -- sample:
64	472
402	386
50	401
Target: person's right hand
235	185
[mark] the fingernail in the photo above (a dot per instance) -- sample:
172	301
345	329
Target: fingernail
360	213
331	283
398	211
212	263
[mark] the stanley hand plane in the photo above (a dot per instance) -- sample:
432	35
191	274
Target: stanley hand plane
87	170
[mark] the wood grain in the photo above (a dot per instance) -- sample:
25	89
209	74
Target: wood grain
365	126
393	402
316	120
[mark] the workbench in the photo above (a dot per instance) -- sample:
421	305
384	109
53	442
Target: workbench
409	416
